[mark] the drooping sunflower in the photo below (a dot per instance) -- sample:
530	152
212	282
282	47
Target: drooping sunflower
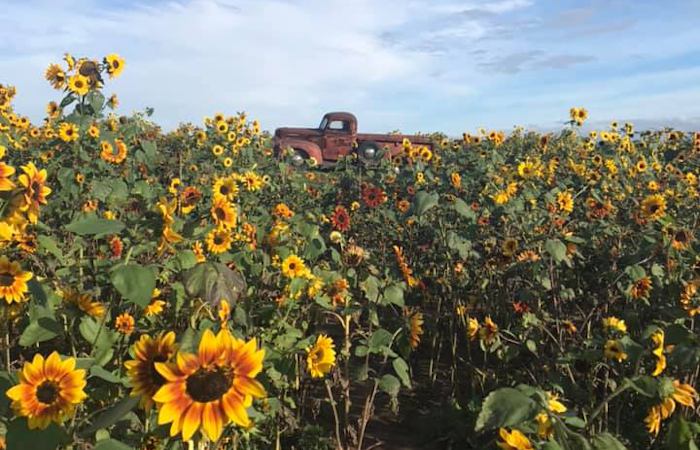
653	207
79	84
189	198
641	288
614	323
115	64
108	154
55	76
294	267
415	326
219	240
223	213
48	390
658	351
13	281
212	388
320	358
145	379
513	440
35	192
340	218
84	302
681	393
68	132
488	331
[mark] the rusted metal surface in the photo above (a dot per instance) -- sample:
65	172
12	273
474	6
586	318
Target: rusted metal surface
336	137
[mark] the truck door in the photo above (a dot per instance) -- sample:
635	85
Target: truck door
337	139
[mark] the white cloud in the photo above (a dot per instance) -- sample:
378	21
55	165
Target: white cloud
410	64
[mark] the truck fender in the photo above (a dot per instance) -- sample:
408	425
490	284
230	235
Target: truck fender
309	148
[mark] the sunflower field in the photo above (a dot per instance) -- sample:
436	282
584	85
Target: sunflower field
190	290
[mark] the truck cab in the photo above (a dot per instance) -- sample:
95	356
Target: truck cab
336	137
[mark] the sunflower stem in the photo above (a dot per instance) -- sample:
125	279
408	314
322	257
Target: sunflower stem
339	442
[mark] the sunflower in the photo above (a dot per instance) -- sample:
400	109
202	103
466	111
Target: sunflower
145	379
124	323
5	173
681	393
48	390
403	205
614	350
513	440
681	239
252	181
472	328
565	201
415	322
13	281
198	252
68	132
614	323
529	169
225	187
223	213
115	64
219	240
189	197
35	192
113	101
52	110
373	196
294	267
282	211
94	131
456	180
320	358
212	388
653	207
509	247
340	218
55	76
79	84
108	154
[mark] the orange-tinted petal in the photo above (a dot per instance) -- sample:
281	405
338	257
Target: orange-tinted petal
192	420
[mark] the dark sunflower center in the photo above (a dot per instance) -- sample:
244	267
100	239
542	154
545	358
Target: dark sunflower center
208	385
218	240
156	378
220	214
681	236
47	392
6	279
115	64
292	266
653	208
224	190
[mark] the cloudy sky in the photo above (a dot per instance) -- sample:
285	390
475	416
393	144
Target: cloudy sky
413	65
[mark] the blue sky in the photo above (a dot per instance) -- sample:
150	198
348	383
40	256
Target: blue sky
413	65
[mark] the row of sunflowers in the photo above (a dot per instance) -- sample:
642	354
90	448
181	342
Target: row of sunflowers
186	289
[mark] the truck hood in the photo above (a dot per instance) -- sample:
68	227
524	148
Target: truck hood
288	132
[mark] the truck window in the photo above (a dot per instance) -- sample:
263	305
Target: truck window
338	125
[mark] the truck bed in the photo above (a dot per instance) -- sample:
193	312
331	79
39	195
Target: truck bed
393	138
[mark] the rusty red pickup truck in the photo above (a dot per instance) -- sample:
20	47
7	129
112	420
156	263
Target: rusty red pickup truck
337	137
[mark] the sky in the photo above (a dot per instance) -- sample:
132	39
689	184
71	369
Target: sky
409	65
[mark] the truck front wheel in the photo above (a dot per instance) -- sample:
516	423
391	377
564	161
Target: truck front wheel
299	157
368	151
